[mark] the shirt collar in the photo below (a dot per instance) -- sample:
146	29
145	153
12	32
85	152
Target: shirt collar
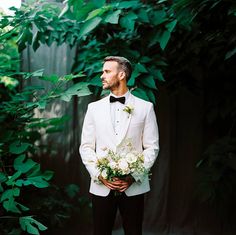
126	95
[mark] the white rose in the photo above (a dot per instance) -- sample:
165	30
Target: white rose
131	158
104	174
112	164
123	164
126	171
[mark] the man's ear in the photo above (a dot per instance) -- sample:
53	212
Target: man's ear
122	75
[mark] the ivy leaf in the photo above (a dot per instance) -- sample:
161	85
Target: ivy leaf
3	177
11	180
31	225
39	180
113	18
89	25
23	166
8	199
18	147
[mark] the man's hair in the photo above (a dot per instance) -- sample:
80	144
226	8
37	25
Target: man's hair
124	64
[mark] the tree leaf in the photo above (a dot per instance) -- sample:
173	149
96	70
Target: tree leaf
163	39
53	78
171	25
113	18
79	89
159	75
128	4
99	3
149	82
151	96
89	25
128	21
158	17
230	53
140	93
143	16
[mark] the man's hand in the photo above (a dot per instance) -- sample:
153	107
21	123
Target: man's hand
118	184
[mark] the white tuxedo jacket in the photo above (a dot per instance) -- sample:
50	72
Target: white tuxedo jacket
98	133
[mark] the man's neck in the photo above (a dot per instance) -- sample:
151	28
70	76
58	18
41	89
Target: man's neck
119	92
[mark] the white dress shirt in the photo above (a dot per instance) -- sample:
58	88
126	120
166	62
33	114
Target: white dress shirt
118	115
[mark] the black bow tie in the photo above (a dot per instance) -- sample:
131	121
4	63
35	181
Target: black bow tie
119	99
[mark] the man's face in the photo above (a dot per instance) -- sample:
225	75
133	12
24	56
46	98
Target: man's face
110	75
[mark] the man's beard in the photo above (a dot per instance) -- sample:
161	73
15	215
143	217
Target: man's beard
112	86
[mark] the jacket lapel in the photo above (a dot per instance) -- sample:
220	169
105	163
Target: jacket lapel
108	121
130	102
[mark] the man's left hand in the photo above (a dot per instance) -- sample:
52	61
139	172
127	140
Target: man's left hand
123	184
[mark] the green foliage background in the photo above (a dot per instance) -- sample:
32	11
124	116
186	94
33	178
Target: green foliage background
189	43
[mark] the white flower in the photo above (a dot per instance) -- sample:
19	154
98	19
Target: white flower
131	158
104	174
123	164
112	164
126	171
129	109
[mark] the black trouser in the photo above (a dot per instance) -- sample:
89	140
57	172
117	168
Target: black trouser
105	208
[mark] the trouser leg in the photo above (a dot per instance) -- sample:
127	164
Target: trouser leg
104	213
131	210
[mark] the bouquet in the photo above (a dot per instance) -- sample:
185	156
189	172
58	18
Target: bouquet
125	161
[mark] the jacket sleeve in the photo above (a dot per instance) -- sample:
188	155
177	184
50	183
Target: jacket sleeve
150	141
87	147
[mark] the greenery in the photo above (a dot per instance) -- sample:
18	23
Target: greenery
203	62
190	44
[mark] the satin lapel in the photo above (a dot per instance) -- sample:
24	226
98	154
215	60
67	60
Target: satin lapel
129	117
107	120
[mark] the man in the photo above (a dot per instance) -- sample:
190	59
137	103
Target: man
106	125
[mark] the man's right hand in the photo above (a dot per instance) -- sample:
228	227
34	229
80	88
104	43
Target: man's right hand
117	184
